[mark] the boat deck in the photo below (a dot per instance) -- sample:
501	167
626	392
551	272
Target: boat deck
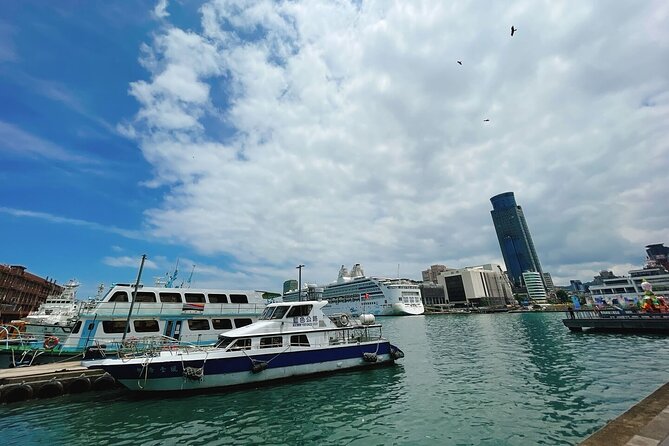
617	321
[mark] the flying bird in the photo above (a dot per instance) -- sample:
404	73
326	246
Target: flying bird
486	120
460	62
513	30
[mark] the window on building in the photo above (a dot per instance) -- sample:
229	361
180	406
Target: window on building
218	298
455	289
198	324
194	297
170	297
146	326
222	324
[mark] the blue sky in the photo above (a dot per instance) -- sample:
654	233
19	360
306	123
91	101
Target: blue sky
248	137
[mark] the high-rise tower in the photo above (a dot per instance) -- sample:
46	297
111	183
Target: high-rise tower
514	237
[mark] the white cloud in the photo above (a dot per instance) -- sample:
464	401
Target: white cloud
326	132
128	262
160	10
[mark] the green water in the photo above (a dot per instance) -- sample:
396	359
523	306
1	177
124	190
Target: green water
498	379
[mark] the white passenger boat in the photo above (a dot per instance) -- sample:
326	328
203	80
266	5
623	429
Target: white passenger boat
354	293
56	316
192	315
289	340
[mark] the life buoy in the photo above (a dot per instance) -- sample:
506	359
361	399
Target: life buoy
343	320
50	342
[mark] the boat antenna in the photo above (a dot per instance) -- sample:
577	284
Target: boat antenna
173	277
134	295
190	277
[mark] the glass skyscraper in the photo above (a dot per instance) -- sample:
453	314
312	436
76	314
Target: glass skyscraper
514	237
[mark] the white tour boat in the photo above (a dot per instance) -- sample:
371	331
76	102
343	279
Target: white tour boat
354	293
289	340
192	315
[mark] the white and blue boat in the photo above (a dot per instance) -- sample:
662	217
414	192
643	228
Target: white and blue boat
289	340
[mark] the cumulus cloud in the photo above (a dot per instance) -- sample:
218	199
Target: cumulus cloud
335	132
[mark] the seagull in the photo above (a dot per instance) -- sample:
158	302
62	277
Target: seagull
460	62
486	120
513	30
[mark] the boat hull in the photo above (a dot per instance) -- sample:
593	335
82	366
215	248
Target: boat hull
166	373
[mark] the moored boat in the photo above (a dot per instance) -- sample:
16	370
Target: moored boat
289	340
193	315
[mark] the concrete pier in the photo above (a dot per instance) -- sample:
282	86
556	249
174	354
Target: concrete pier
50	380
645	424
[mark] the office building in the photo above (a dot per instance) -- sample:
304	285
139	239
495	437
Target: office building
514	238
535	287
478	286
431	274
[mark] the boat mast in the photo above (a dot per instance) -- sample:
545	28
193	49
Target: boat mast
134	295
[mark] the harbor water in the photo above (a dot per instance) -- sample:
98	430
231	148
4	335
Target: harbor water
480	379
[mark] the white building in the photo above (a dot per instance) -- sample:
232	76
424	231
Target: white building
480	286
627	290
535	287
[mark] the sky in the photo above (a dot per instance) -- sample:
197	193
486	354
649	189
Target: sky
243	138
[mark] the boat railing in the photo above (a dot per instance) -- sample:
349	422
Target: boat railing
120	309
614	314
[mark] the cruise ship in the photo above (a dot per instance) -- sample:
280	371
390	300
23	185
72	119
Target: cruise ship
355	294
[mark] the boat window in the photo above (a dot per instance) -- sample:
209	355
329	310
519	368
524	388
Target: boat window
242	322
198	324
145	296
274	341
76	327
267	313
299	340
222	324
146	326
299	310
194	297
242	344
170	297
224	341
280	312
113	326
218	298
119	296
239	299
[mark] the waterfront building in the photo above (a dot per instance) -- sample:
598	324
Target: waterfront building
431	274
433	294
548	282
514	238
22	292
535	286
627	290
576	286
657	256
479	286
603	275
289	285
